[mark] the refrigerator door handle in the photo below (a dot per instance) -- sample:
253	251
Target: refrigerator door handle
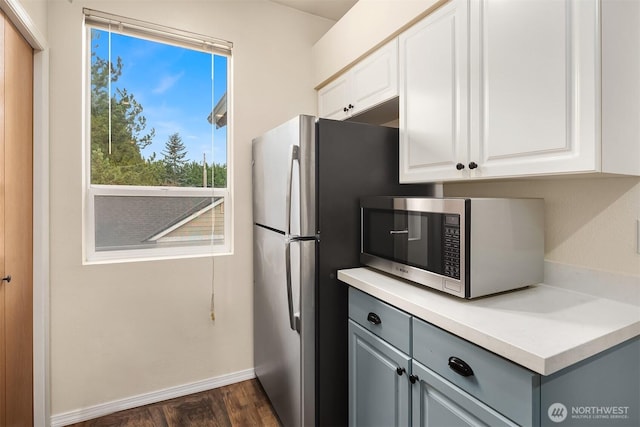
294	318
293	156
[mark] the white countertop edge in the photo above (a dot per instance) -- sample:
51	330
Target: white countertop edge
544	365
582	352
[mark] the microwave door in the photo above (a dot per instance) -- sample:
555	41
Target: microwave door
423	241
414	227
411	245
385	234
407	237
399	234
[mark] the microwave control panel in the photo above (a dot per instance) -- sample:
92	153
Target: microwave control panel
452	246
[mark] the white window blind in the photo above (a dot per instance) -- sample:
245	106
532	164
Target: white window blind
137	28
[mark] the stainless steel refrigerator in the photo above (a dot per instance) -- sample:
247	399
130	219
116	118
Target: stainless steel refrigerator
308	176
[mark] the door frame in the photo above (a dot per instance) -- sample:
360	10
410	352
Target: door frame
19	17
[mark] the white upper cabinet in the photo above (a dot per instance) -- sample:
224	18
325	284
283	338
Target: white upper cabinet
433	95
533	87
514	90
333	99
369	83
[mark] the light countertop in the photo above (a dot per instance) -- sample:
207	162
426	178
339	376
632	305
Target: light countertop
543	328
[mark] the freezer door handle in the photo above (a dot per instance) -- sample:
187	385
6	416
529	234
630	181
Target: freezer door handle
293	156
294	318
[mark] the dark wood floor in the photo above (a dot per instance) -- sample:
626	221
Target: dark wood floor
240	404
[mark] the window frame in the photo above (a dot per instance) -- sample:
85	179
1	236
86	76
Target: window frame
91	191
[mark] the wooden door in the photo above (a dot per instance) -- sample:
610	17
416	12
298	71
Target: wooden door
16	227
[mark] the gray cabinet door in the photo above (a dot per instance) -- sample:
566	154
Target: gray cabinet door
378	381
436	403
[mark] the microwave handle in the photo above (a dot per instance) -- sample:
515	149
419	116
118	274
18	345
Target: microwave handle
398	231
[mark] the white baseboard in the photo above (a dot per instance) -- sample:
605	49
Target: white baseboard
85	414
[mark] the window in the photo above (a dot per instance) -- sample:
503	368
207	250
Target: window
156	163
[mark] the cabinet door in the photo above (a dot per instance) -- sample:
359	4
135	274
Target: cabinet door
333	99
378	382
372	81
436	402
434	96
533	87
375	79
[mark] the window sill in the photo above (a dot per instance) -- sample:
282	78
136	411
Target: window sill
113	259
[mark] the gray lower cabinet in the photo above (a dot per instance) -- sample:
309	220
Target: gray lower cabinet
378	385
389	388
406	372
498	383
437	403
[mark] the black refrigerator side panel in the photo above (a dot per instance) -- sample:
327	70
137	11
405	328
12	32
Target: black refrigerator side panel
353	160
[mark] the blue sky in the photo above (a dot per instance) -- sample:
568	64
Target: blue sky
174	87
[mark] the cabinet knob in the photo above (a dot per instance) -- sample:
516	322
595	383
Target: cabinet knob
350	107
374	319
413	378
473	165
459	366
400	370
7	279
459	166
345	109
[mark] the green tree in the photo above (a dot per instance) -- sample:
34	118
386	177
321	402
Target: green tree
174	160
102	170
152	173
220	175
117	127
192	173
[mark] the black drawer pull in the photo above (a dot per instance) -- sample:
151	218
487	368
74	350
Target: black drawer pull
374	319
413	379
400	370
459	366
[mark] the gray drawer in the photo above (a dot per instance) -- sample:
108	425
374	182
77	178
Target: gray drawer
506	387
394	325
437	402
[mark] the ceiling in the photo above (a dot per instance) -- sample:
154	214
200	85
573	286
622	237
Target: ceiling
330	9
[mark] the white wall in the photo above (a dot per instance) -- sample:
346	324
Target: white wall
126	329
37	11
589	222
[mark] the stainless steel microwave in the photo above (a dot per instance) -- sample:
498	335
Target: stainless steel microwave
468	247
